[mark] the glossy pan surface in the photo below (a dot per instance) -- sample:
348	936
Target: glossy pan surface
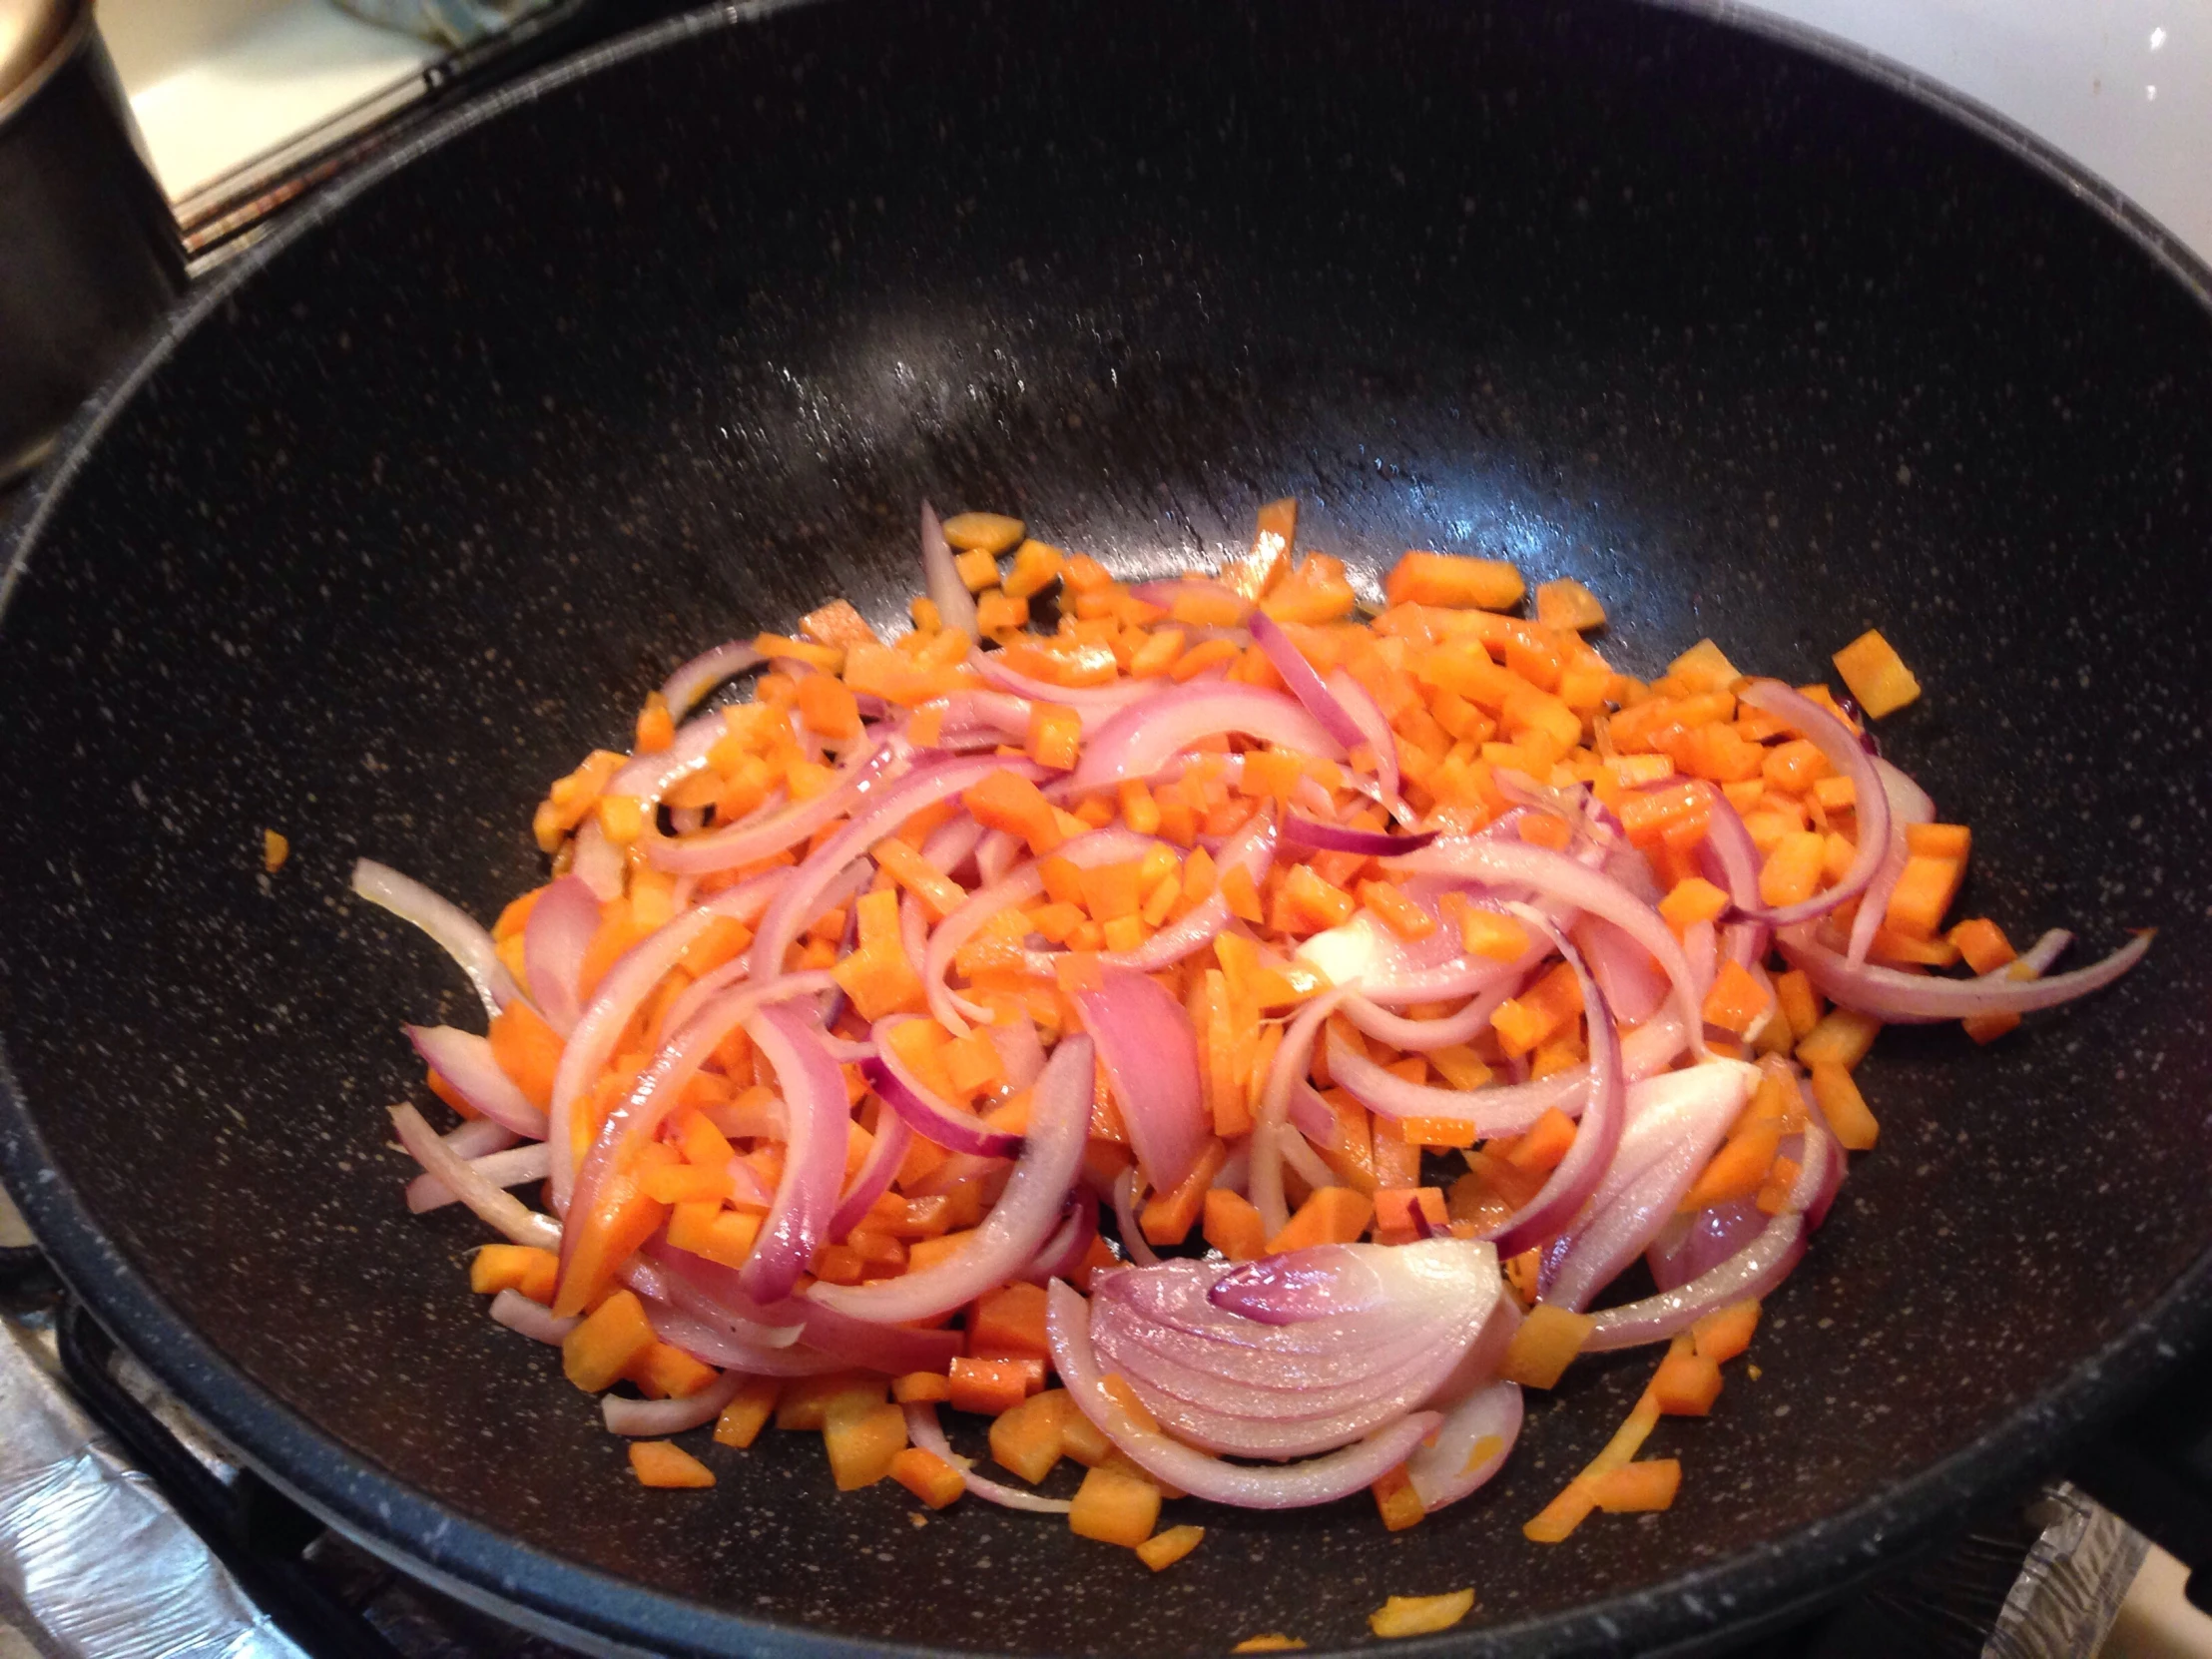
413	509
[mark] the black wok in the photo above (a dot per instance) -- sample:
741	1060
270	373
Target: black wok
411	508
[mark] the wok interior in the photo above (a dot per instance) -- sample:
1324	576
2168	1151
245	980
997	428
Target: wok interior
669	354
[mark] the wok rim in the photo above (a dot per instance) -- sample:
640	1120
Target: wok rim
1759	1588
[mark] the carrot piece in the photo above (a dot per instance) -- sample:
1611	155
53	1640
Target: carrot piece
680	1182
1420	1615
619	1222
1115	1508
1792	871
998	613
1037	565
1396	1501
1403	1214
1163	1549
1055	736
528	1050
1924	892
1448	579
939	894
921	1385
1737	1170
1558	1518
602	1346
1567	603
1233	1224
706	1228
863	1442
1724	1333
665	1371
827	707
523	1268
1798	1001
665	1464
1687	1385
1737	1001
1691	901
1025	1438
1841	1036
1544	1346
1545	1143
1982	943
1845	1108
989	1386
1876	674
1271	1641
929	1477
1400	914
1009	801
1636	1487
1111	891
1436	1130
807	1403
1169	1217
1009	1324
1333	1215
741	1421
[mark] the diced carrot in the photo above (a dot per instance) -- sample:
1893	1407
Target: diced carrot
1687	1385
1724	1333
1737	1001
1798	1001
509	1266
665	1371
1567	604
1271	1641
1400	914
1163	1549
1009	1322
528	1051
622	1219
863	1442
1007	801
1876	675
1170	1215
1546	1142
1333	1215
1115	1508
1055	735
706	1228
1738	1169
1436	1130
1493	934
1026	1437
1638	1487
929	1477
1924	892
1420	1615
998	613
1036	567
807	1403
1403	1214
939	894
665	1464
1844	1106
989	1386
918	1385
827	707
1982	943
1791	872
604	1344
1691	901
1544	1346
1448	579
1233	1224
748	1412
1841	1035
1396	1501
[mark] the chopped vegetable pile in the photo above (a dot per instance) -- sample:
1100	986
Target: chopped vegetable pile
1274	1022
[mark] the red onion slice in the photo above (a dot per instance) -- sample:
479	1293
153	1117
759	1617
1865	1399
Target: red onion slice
1376	732
927	1432
689	684
923	1112
1320	1480
1134	1243
652	773
1560	878
1751	1272
760	837
1252	849
554	941
1269	1130
1424	1036
1339	838
1094	705
873	1177
601	865
1633	983
1303	682
1142	738
715	1294
651	1419
813	1157
501	1211
513	1166
940	578
479	1136
1150	1054
1920	998
534	1320
1020	1049
711	1345
1470	1447
468	1066
1063	1254
876	811
1014	1230
452	928
1908	804
1841	746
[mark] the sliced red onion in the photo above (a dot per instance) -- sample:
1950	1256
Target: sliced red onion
1841	746
1424	1036
1701	947
450	927
1134	1243
927	1432
716	1294
1908	804
813	1157
1302	682
743	843
479	1136
1270	1131
1633	983
1675	1123
601	865
1339	838
995	855
511	1168
1598	1134
971	718
755	900
711	1345
876	813
1166	592
689	684
1141	739
1094	705
1020	1223
652	773
1063	1254
1920	998
1320	1480
873	1177
554	941
1305	1161
1020	1050
1560	878
534	1320
1376	732
913	1103
1150	1054
654	1419
952	844
1309	1115
501	1211
940	578
1751	1272
1470	1447
1252	849
469	1068
1692	1244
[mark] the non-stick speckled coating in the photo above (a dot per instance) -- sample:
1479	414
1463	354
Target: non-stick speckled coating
416	513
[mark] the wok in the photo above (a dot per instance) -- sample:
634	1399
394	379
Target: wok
407	510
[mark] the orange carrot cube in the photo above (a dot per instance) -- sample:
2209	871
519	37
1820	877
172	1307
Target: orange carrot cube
929	1477
665	1464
